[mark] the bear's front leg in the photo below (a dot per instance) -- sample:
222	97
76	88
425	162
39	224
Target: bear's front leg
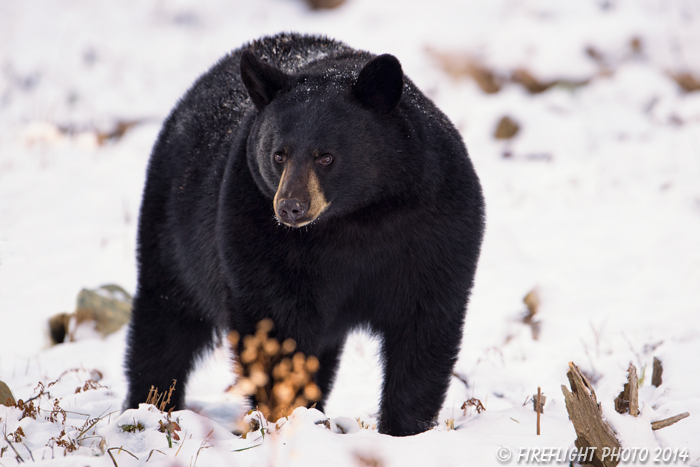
162	345
419	357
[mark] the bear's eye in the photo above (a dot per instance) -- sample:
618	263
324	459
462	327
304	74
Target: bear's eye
280	157
325	159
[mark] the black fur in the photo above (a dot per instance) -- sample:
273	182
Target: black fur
380	83
395	251
261	80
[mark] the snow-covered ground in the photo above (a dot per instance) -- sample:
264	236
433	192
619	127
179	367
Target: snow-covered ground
597	206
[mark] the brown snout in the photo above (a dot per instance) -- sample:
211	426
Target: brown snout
290	211
299	199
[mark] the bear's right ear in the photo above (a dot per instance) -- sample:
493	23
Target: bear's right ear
261	80
380	83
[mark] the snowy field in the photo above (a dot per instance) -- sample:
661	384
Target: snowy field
595	203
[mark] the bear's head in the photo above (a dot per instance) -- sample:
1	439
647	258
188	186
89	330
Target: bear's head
329	140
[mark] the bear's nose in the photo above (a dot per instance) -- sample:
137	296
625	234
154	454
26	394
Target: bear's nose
291	210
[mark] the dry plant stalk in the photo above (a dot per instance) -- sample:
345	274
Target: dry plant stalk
473	402
584	412
539	408
279	379
160	400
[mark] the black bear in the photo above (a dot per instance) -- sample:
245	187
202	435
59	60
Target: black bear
313	184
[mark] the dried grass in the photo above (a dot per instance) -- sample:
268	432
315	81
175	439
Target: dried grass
279	379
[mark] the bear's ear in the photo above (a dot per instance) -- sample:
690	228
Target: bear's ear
380	83
261	80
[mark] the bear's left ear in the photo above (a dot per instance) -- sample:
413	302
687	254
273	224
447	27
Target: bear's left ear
261	80
380	83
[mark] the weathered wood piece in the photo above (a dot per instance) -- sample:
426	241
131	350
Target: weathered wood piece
633	381
658	370
628	399
584	412
669	421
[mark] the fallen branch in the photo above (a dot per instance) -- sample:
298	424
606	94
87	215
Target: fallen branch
669	421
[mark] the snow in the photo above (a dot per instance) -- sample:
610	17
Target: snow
598	206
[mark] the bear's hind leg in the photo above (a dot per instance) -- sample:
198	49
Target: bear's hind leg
418	362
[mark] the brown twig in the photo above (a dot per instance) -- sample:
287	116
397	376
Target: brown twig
152	451
669	421
539	409
203	445
120	450
4	434
184	439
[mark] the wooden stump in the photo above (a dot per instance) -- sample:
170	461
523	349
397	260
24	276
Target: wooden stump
584	412
628	399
